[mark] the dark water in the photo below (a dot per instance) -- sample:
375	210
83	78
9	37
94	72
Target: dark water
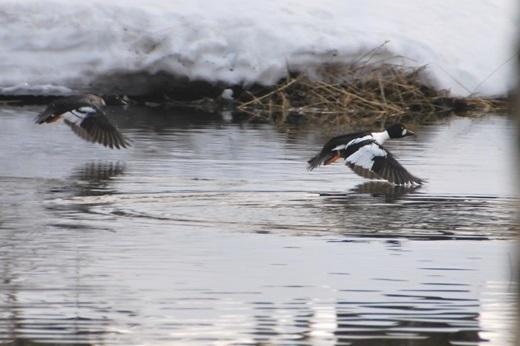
210	231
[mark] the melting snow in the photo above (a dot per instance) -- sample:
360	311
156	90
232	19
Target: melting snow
63	46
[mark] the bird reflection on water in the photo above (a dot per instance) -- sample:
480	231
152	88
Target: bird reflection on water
91	179
231	243
378	209
390	192
95	177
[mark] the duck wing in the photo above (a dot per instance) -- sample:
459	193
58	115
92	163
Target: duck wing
58	107
91	124
373	161
330	151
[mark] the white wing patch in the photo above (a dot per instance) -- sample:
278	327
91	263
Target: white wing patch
76	116
85	110
364	156
354	141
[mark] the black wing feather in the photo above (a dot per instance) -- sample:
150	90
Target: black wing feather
327	153
371	160
384	165
96	128
390	169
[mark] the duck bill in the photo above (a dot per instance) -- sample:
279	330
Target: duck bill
409	133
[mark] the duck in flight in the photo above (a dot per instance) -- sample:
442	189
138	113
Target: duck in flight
364	154
84	115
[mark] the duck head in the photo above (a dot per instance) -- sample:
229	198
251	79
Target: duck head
398	131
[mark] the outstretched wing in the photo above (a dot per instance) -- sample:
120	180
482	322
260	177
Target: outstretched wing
373	161
330	151
53	112
60	106
92	125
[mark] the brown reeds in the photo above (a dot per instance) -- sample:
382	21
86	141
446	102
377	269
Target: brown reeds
359	93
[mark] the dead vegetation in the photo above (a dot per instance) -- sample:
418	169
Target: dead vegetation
367	91
344	94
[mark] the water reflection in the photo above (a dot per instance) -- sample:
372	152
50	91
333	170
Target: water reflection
425	318
98	173
92	179
415	215
385	211
48	245
389	192
211	232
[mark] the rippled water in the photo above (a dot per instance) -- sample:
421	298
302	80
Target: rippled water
210	231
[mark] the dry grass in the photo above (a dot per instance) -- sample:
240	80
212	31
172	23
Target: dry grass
357	94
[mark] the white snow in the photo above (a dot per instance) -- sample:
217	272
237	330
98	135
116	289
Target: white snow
63	46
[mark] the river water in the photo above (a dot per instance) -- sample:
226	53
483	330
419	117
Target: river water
209	230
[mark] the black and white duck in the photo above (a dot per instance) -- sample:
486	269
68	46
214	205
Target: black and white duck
364	153
85	116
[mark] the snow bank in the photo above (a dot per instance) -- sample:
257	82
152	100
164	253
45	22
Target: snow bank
64	46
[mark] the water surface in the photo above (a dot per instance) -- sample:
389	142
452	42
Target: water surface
210	231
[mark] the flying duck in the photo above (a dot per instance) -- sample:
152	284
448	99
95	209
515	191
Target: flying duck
84	115
364	154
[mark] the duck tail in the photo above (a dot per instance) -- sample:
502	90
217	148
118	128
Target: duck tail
47	116
315	161
323	158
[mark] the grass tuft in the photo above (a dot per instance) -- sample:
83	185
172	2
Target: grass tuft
359	93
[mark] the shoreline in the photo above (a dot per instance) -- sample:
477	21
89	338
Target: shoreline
335	94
